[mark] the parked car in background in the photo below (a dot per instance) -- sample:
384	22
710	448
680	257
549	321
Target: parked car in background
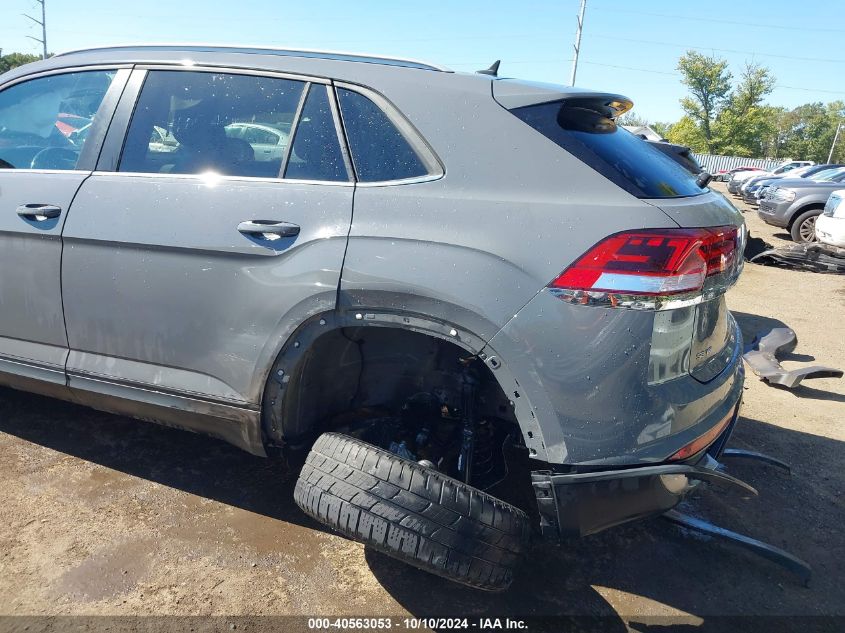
738	179
796	203
725	176
565	325
268	142
752	189
830	225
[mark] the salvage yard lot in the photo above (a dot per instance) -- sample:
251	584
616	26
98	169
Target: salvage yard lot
104	515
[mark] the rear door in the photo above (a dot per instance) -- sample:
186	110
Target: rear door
184	272
51	127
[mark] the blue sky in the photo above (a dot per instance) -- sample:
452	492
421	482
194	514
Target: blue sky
630	47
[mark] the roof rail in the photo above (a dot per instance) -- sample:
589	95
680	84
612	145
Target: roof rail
267	50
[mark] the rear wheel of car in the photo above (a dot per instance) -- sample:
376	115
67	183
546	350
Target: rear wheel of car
412	513
804	227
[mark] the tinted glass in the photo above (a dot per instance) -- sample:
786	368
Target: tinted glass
44	122
615	153
316	151
194	122
379	151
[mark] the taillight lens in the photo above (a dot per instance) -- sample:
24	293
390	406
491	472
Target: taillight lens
653	262
703	441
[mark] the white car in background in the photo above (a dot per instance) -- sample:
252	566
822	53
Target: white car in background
830	225
268	142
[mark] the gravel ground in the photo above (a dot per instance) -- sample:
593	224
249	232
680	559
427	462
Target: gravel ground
107	516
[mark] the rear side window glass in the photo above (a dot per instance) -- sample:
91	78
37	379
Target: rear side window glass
615	153
316	153
189	122
44	122
379	150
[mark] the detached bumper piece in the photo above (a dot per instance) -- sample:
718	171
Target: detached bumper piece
819	258
762	358
769	552
578	504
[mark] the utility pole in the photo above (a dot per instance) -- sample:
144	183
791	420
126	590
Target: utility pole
578	41
832	145
43	24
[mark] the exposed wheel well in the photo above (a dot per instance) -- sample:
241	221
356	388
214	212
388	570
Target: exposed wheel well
373	367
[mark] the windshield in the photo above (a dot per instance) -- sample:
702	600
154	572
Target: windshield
828	175
800	171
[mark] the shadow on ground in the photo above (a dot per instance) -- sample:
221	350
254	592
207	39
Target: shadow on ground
650	559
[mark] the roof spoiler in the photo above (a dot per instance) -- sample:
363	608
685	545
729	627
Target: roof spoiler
511	94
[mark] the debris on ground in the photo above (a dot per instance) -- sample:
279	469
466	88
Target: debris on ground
754	246
762	358
815	257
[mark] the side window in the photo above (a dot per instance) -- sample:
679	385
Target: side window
316	153
44	122
379	151
204	121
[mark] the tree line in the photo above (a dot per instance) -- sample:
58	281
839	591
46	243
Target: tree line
727	115
13	60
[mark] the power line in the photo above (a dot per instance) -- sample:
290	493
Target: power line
751	23
721	50
665	72
43	24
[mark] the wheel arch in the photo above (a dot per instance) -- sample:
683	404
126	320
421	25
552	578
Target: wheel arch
809	206
279	430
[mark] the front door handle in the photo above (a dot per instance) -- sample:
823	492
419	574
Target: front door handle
39	212
268	229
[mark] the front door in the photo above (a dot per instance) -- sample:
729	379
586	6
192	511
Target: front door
186	268
50	130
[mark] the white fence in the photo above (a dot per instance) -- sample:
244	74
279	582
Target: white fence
713	163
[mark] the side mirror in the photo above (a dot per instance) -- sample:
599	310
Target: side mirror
703	179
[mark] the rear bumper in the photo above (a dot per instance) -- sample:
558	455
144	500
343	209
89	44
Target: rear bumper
578	504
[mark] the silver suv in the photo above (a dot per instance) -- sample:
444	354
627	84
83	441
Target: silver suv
443	282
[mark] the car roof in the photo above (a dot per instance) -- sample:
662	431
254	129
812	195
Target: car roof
262	50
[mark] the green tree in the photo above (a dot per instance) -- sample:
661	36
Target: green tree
807	132
13	60
709	82
745	126
688	132
661	128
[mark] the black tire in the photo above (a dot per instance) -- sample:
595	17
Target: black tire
804	225
412	513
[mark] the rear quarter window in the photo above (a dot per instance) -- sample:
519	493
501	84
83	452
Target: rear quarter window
379	150
615	153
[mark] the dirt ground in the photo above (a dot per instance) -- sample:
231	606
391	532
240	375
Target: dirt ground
102	515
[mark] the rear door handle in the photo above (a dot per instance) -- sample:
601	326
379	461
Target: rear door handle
268	229
39	212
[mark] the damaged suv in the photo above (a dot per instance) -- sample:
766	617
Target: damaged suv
447	290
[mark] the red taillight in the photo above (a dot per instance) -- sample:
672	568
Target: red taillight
653	262
702	442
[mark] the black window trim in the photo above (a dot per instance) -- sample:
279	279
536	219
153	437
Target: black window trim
118	133
88	158
424	151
